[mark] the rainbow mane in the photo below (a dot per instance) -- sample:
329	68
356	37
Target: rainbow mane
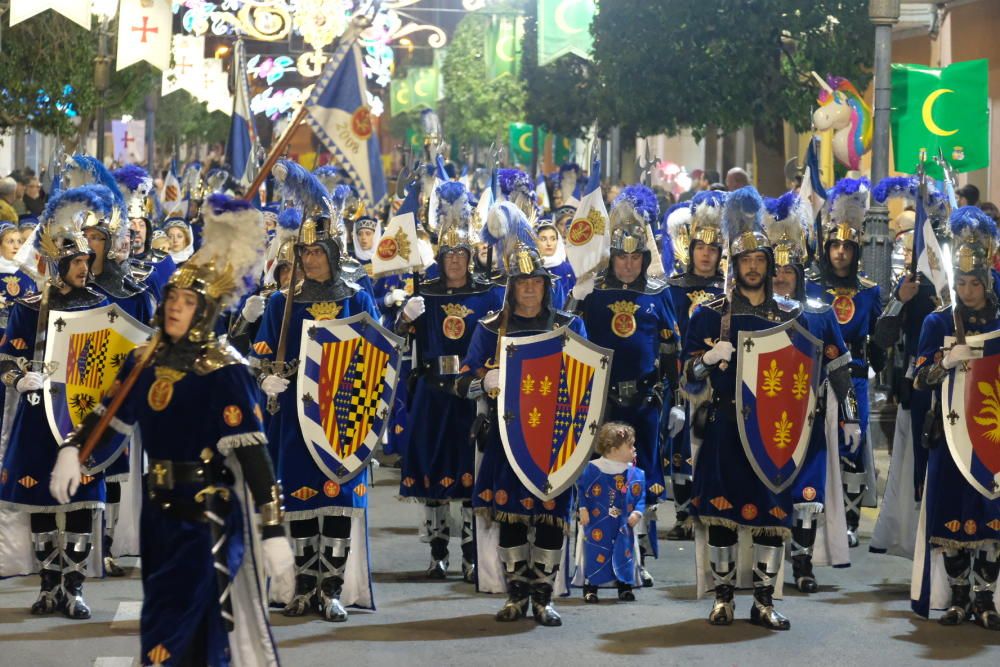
861	117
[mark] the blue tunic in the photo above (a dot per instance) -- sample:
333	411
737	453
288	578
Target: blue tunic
438	459
308	491
635	324
608	541
498	489
956	513
160	271
32	449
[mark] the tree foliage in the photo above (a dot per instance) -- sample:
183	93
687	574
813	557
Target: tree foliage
560	95
664	66
475	109
47	67
181	118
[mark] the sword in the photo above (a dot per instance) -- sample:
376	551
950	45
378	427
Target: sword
215	500
279	366
949	186
37	363
726	326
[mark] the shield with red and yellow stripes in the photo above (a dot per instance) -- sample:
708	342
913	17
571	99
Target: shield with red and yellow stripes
347	376
552	391
84	351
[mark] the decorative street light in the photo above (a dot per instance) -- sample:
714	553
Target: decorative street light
104	10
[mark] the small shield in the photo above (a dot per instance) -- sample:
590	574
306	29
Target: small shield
970	401
347	377
85	350
552	392
778	370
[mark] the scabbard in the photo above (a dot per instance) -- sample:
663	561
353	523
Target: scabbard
216	510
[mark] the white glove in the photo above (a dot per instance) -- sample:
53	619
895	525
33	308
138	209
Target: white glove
852	436
279	565
394	297
274	385
253	308
491	380
723	351
65	478
582	289
414	308
31	381
956	355
675	420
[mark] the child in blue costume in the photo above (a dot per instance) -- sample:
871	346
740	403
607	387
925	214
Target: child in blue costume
612	499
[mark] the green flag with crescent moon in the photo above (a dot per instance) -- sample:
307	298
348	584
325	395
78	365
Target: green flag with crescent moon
945	109
419	90
564	27
503	46
522	142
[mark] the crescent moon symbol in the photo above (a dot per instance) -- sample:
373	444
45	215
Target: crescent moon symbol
560	18
503	53
417	90
402	95
928	108
522	143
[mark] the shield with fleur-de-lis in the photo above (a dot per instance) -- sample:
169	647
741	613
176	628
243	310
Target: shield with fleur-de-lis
553	387
778	371
970	404
84	351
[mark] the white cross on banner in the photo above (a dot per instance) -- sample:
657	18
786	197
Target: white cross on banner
144	30
130	141
189	59
77	12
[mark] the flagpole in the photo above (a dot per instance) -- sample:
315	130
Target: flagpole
276	152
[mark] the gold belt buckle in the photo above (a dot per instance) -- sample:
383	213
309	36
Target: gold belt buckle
220	491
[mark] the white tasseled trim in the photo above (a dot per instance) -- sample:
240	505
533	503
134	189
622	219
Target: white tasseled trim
231	442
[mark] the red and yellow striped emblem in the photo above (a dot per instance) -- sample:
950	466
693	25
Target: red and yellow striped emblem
578	377
351	375
158	654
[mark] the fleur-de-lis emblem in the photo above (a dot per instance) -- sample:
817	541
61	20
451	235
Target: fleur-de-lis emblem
772	379
783	431
534	417
800	383
527	384
989	413
545	388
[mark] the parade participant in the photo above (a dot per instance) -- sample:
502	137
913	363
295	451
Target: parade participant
612	497
958	522
699	242
31	451
857	305
178	233
633	315
787	226
727	494
438	464
320	511
25	226
552	248
912	301
149	266
530	566
14	283
198	410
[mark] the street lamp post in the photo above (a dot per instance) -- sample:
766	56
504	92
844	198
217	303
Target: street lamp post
102	80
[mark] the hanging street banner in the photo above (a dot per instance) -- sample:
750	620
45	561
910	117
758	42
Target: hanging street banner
945	109
189	60
503	46
419	90
130	141
553	149
77	12
144	31
564	27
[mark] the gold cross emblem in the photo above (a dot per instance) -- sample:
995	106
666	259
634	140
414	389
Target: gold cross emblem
159	474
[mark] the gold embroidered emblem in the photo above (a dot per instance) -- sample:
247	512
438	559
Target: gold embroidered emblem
453	325
331	489
783	431
12	285
989	413
778	513
721	503
232	415
772	379
304	493
623	321
800	383
158	654
324	310
749	512
698	297
27	481
162	389
843	305
582	230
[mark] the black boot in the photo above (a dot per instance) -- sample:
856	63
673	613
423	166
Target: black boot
306	551
590	594
767	560
77	548
333	563
723	563
957	563
515	560
468	546
438	532
625	593
111	568
545	570
682	500
803	538
854	491
50	571
984	585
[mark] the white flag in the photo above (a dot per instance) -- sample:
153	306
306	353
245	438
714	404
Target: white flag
130	141
189	59
77	12
144	31
588	237
215	87
398	251
170	197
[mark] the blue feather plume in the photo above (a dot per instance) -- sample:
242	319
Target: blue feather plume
709	197
896	186
642	199
300	186
290	218
973	218
744	212
783	205
512	180
100	175
97	198
450	191
847	186
132	176
220	203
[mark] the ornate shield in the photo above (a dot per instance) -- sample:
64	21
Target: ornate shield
970	403
346	380
552	391
778	371
85	350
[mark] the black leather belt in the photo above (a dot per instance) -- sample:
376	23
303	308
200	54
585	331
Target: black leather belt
165	475
629	392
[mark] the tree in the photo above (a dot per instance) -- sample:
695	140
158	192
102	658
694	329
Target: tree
47	79
182	118
475	109
726	63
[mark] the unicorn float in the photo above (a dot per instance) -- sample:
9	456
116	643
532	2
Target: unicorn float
843	110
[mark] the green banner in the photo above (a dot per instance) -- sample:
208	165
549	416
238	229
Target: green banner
503	46
562	148
419	90
564	27
946	109
521	145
